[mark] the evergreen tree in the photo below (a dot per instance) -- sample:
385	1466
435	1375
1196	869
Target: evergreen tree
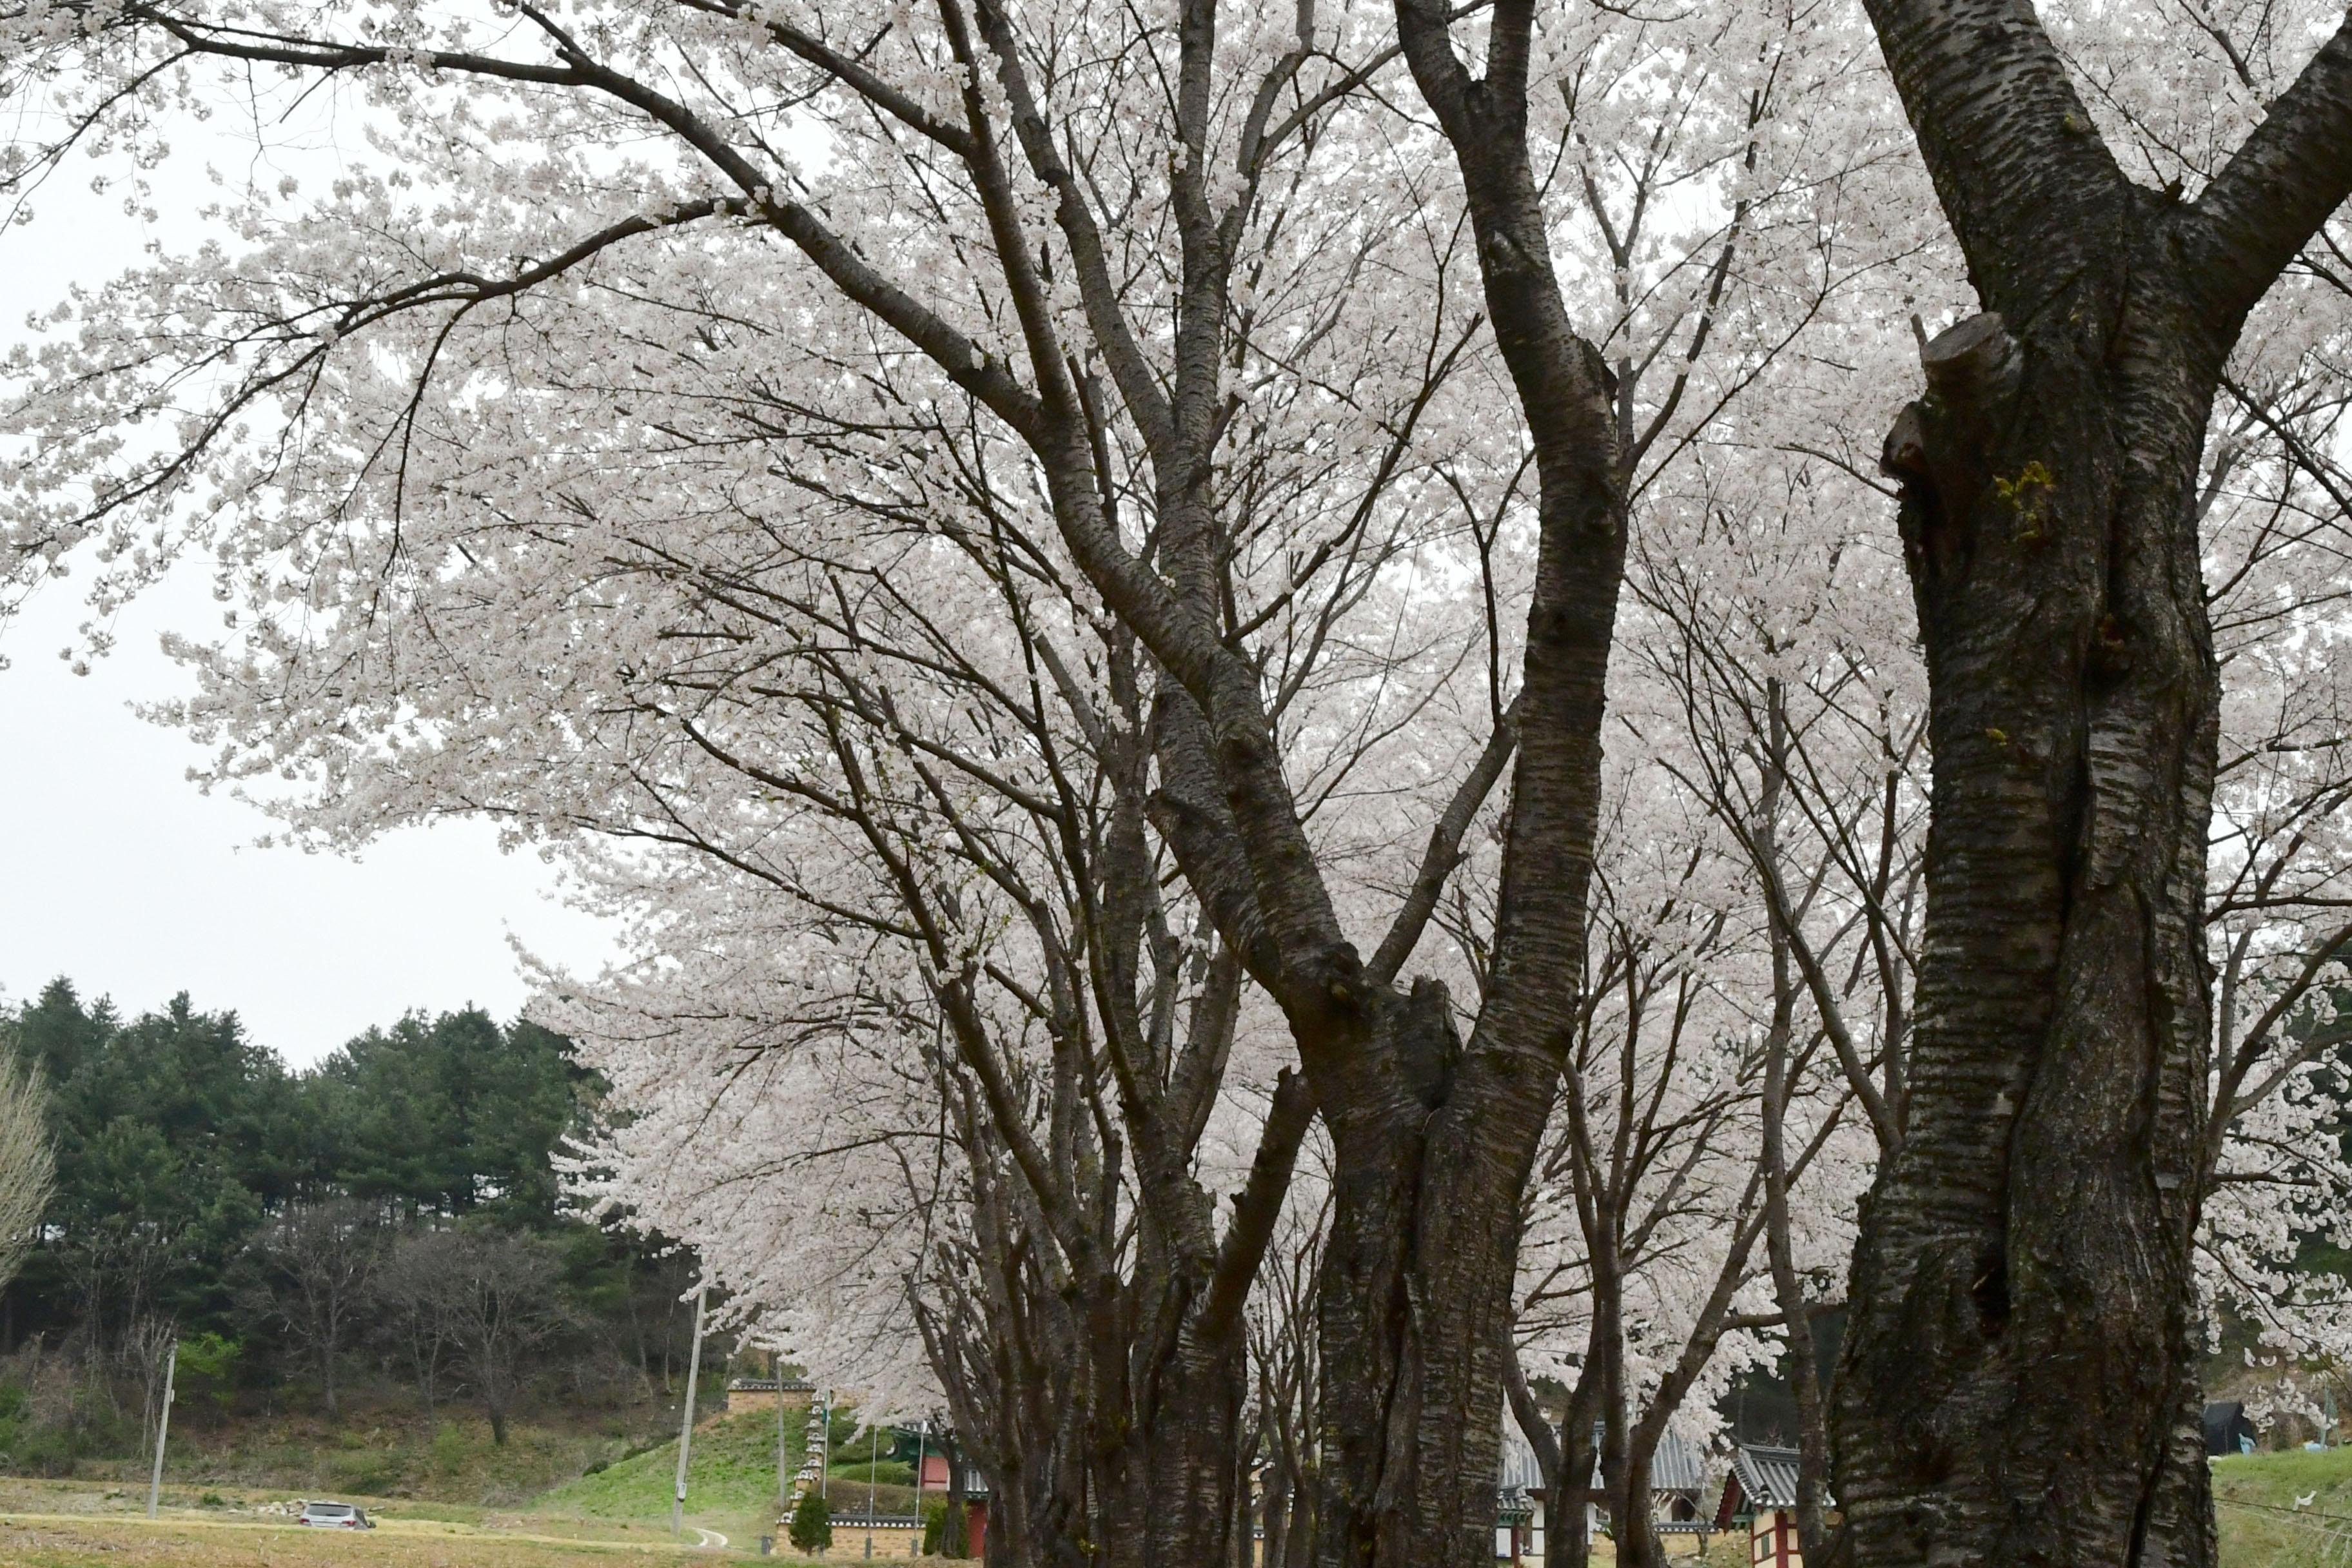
812	1526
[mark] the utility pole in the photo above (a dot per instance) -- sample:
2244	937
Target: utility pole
686	1427
784	1483
873	1462
162	1430
922	1449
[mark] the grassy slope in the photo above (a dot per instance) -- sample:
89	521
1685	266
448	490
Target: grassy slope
2261	1528
385	1453
730	1485
406	1466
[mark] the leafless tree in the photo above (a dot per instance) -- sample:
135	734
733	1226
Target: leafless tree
494	1297
27	1162
314	1265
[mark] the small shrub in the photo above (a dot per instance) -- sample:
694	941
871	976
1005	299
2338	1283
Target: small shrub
812	1526
935	1524
449	1447
951	1536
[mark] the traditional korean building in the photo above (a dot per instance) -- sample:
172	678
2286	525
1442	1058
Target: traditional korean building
1761	1494
1677	1495
1520	1501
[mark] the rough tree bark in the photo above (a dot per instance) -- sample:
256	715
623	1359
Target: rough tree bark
2017	1382
1434	1138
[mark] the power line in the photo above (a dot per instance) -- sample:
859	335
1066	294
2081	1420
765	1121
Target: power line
2290	1512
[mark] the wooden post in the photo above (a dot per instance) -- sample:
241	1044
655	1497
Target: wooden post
686	1426
162	1430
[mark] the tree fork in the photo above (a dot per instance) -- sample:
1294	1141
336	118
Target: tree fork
2012	1387
2017	1382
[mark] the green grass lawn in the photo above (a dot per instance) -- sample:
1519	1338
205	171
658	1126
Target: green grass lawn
601	1478
730	1482
2254	1496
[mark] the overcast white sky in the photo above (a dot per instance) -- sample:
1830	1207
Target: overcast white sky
115	871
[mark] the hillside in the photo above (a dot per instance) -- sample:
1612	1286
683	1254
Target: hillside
730	1482
388	1451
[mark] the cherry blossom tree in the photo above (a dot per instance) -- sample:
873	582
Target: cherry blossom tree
1102	335
997	537
2018	1376
1080	372
1617	385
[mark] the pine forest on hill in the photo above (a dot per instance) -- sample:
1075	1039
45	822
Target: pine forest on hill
301	1235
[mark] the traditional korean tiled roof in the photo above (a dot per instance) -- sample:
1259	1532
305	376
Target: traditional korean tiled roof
1675	1465
1520	1469
1768	1477
770	1385
1673	1468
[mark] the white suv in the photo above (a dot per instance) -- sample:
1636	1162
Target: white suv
334	1516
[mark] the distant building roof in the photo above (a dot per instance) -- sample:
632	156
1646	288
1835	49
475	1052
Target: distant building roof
1520	1471
1766	1478
770	1385
1675	1465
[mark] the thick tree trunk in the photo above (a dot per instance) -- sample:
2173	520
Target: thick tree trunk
1166	1486
1433	1142
1416	1302
1415	1306
1193	1441
1629	1506
1409	1453
2017	1382
1568	1538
